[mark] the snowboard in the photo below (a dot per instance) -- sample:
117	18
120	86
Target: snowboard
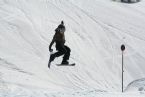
72	64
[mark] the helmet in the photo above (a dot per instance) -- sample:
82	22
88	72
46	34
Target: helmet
61	27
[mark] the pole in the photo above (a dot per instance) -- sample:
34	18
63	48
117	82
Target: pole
122	48
122	71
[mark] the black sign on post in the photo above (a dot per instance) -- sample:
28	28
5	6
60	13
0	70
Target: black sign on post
122	48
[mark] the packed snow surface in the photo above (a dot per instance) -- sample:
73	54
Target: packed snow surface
95	30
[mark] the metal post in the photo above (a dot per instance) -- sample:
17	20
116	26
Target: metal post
122	71
122	48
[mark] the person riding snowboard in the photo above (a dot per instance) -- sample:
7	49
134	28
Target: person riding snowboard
62	49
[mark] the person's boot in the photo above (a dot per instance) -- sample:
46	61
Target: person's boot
65	62
52	57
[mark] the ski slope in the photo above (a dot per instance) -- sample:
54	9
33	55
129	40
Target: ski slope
95	30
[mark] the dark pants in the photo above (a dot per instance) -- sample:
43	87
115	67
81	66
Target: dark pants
65	50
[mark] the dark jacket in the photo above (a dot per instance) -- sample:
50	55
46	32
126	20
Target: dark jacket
59	37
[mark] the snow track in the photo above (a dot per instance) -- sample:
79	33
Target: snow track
95	30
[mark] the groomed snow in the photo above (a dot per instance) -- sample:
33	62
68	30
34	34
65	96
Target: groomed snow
95	30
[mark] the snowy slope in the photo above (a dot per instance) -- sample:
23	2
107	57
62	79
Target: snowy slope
95	29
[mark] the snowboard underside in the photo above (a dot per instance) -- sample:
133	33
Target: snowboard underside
73	64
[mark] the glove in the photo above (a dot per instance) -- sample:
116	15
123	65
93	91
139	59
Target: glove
51	50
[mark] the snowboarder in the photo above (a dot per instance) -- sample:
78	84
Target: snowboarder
62	49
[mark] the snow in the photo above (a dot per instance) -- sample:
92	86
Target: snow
95	30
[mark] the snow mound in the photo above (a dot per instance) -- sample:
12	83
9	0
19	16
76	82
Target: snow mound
137	85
